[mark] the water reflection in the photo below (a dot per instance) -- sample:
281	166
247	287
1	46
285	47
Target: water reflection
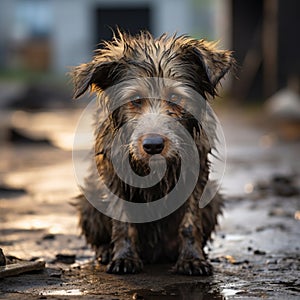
184	291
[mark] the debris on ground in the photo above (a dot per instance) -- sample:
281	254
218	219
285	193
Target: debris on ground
281	185
9	191
21	267
65	258
2	258
17	136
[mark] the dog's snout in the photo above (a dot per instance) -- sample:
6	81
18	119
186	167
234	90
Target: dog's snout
153	144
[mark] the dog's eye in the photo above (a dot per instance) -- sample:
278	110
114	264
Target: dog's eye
136	100
174	99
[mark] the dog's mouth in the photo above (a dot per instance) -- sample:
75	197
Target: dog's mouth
142	165
145	164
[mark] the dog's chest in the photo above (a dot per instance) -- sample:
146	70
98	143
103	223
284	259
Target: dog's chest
159	240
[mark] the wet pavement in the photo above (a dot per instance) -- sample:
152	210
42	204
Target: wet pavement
256	249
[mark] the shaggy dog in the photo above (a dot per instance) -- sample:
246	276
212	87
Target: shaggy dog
158	80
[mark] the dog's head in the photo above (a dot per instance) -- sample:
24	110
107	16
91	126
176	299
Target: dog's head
155	79
180	58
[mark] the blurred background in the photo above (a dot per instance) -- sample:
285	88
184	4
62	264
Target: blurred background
45	37
41	39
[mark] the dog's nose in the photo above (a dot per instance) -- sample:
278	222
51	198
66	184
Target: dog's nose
153	144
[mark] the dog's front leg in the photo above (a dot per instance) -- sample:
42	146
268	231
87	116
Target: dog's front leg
191	259
125	257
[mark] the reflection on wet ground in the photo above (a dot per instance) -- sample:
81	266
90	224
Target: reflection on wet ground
255	251
194	291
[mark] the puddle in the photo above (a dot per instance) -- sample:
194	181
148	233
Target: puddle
73	292
235	237
181	292
230	292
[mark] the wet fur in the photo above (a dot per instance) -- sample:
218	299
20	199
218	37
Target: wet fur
181	236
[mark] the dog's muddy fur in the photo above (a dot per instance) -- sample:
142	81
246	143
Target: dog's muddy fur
196	65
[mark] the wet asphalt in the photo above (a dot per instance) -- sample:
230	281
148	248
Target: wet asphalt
255	251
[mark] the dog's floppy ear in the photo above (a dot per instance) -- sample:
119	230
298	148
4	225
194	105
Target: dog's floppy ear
97	75
215	63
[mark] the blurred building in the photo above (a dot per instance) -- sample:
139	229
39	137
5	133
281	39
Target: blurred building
49	35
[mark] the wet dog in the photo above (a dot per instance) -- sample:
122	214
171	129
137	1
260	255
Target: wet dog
154	82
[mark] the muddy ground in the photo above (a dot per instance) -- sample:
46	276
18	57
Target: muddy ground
255	253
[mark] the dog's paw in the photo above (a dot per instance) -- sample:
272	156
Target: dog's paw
125	266
196	267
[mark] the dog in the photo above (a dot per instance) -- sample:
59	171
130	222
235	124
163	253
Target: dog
136	65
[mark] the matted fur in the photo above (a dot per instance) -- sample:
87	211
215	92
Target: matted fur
181	236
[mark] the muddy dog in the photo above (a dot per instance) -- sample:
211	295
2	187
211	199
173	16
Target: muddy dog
193	64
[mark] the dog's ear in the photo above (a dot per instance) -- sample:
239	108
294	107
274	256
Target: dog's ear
97	75
217	62
211	64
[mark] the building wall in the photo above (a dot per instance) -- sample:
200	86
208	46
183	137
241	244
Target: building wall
72	33
6	25
71	38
